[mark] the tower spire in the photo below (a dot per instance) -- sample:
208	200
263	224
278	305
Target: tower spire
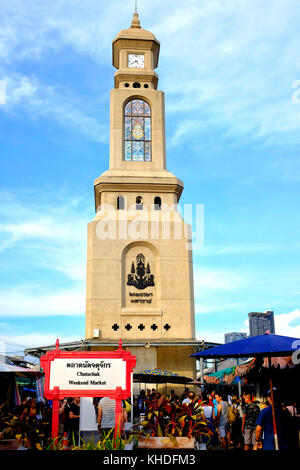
135	20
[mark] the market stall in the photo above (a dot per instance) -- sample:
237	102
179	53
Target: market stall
266	347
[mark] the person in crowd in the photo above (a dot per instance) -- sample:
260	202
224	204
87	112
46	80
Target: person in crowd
222	420
67	415
141	402
264	424
74	416
210	398
48	416
30	411
124	417
208	411
107	416
40	406
235	420
173	398
96	404
250	414
61	411
215	403
189	399
185	394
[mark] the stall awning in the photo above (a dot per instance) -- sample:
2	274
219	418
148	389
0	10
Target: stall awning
230	374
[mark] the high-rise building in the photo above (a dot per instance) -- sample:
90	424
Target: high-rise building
261	322
234	336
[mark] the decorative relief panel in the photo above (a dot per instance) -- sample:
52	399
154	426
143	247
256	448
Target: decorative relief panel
139	278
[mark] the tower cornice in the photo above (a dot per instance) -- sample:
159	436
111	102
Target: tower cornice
135	38
134	43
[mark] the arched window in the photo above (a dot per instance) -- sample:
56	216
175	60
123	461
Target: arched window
157	203
137	125
139	203
120	203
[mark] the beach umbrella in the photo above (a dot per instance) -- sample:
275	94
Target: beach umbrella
265	346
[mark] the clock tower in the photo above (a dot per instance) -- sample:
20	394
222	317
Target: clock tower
139	257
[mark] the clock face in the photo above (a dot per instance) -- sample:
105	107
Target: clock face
136	60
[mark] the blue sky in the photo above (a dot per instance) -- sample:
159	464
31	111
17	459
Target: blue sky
229	70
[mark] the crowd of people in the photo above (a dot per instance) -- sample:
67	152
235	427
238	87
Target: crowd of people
239	423
234	423
69	416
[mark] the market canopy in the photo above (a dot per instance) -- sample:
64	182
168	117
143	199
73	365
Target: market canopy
160	376
230	375
267	345
223	376
16	369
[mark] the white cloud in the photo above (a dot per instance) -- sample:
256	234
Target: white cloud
52	231
247	248
288	324
88	28
48	234
213	336
216	279
229	71
227	65
33	301
31	340
39	100
212	306
214	290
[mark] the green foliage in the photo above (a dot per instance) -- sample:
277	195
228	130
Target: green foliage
31	432
107	441
164	419
35	435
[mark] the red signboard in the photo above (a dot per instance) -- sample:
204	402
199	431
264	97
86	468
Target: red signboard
87	374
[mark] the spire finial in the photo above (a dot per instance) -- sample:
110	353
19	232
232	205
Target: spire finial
135	20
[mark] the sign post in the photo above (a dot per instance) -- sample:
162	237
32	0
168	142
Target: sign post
87	374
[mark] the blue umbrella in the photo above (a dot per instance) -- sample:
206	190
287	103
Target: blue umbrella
267	345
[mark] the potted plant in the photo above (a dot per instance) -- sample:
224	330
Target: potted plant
30	433
172	425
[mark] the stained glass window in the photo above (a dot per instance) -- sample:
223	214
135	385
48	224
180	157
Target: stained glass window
137	131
